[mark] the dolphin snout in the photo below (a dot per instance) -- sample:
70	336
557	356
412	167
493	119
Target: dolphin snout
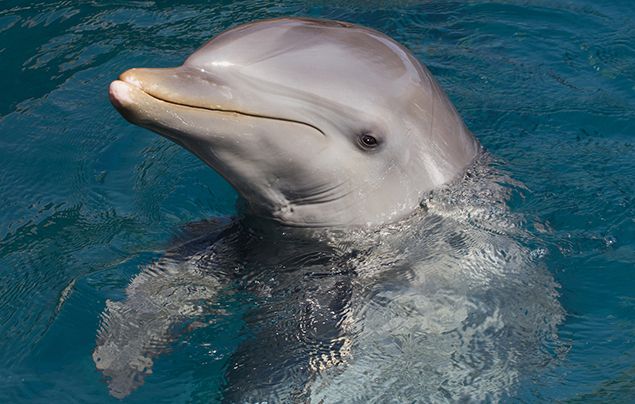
120	94
133	103
180	85
152	80
134	84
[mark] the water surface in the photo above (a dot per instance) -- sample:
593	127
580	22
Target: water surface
88	200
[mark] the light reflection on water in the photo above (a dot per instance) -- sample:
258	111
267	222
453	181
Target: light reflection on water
88	201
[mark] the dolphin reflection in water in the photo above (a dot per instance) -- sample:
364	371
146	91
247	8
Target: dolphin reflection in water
374	240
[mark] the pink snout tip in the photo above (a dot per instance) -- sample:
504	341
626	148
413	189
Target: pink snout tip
119	93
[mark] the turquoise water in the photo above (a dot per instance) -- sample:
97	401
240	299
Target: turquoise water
87	199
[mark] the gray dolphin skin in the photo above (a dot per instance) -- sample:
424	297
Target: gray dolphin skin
314	123
376	259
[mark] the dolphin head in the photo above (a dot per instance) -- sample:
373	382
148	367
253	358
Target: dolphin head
314	123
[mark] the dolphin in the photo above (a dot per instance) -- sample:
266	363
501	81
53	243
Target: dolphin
374	241
314	123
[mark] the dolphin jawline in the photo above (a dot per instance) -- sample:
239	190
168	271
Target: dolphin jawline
119	88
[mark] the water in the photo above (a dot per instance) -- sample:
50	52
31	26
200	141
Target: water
88	200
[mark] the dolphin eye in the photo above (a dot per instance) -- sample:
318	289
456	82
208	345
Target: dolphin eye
368	141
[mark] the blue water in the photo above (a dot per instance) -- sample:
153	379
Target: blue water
86	199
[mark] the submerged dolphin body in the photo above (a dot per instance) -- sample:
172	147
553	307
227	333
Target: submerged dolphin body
334	136
445	304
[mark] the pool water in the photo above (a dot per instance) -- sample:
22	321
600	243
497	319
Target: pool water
87	199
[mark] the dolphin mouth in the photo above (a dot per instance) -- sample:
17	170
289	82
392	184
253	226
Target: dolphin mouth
122	95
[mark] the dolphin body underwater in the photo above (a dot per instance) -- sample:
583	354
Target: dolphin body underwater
374	234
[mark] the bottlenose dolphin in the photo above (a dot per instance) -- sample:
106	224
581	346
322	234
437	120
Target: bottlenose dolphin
372	234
